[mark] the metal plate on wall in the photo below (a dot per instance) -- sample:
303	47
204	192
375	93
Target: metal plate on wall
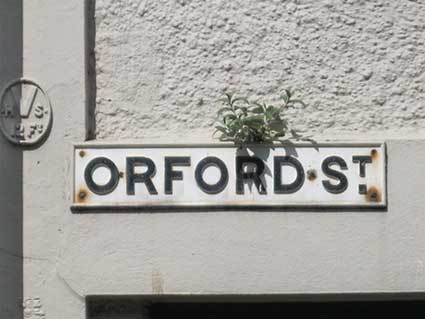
221	175
25	113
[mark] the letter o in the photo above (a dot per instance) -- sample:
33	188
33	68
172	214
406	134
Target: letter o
94	165
224	175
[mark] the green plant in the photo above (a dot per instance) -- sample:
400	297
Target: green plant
243	121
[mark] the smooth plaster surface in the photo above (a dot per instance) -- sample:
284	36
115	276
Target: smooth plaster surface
162	65
65	257
53	56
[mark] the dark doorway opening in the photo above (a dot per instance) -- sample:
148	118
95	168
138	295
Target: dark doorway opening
134	308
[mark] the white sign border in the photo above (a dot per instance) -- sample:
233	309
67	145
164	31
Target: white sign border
202	206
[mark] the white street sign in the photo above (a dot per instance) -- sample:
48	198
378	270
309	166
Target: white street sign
304	175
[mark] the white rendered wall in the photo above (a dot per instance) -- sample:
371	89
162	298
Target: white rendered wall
66	257
161	65
53	56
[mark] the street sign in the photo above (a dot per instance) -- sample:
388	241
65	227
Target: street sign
222	175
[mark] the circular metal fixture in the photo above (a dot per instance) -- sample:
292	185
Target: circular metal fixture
25	113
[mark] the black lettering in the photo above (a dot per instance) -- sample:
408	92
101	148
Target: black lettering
224	175
328	171
92	166
241	176
146	177
362	189
170	174
362	160
293	187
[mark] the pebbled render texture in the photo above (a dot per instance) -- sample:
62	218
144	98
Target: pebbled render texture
162	64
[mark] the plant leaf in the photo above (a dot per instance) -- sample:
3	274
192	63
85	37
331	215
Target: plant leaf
221	129
297	101
257	110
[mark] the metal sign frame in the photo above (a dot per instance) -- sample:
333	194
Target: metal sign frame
376	197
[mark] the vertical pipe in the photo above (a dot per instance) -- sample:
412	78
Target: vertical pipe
11	170
90	68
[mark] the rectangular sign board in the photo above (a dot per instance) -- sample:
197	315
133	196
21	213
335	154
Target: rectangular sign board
222	175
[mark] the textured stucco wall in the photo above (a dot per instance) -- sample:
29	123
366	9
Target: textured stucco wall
162	64
51	259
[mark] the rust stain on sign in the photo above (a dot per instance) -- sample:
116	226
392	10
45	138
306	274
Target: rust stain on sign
373	194
81	195
311	174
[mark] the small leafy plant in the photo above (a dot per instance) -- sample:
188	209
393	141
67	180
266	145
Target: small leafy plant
243	121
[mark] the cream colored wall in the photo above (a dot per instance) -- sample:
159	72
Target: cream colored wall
65	257
162	65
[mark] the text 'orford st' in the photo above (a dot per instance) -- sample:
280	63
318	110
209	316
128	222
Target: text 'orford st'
224	175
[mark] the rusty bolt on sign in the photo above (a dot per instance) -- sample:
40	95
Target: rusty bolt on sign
82	153
82	194
311	174
373	195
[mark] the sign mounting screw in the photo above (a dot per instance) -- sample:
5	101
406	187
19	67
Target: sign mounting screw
82	194
311	174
